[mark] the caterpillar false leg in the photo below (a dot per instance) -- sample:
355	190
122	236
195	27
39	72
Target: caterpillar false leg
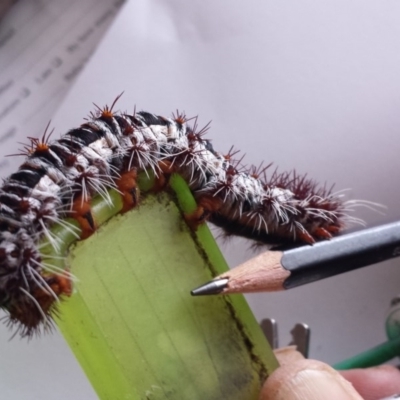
127	185
81	211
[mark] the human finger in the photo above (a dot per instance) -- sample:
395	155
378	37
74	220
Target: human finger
307	380
374	383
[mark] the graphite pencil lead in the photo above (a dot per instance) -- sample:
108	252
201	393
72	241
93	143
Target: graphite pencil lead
212	287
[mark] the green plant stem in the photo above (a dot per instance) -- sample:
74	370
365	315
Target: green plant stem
132	324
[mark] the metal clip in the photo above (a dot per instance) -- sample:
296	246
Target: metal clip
300	335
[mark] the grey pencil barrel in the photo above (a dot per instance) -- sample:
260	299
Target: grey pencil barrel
341	254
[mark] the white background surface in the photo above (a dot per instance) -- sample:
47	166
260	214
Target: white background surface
309	85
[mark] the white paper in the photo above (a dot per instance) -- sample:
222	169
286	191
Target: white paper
43	47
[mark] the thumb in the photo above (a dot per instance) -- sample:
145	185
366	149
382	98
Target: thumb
307	380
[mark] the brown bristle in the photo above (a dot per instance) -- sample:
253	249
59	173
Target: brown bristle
127	130
179	117
70	160
105	112
257	172
24	206
231	153
41	147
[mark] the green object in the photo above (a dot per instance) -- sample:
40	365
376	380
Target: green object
375	356
132	324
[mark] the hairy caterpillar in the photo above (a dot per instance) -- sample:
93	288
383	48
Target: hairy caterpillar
59	178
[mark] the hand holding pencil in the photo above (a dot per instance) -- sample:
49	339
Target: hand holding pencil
301	379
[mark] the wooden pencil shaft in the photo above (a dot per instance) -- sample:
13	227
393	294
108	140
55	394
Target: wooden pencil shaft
262	273
342	254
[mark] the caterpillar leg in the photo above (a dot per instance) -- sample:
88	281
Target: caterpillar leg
60	284
322	233
206	205
165	168
81	211
333	229
127	185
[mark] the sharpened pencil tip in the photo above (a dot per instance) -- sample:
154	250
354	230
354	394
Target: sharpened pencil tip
212	287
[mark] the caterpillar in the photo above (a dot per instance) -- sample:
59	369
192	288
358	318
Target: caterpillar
59	178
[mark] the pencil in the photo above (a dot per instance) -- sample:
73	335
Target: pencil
282	270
